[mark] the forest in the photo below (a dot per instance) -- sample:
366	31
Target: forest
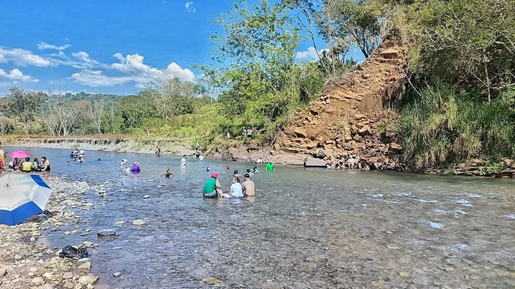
459	101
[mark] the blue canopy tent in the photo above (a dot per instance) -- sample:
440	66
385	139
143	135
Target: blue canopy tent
22	196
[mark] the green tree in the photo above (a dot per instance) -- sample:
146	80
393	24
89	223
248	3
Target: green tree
22	105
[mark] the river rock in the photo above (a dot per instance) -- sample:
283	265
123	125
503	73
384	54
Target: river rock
68	285
46	286
88	279
86	266
138	223
146	196
67	233
37	281
119	223
212	281
68	275
106	233
117	274
3	272
88	244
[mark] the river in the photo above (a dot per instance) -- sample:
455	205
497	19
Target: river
306	228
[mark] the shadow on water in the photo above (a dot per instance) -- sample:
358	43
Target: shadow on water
306	228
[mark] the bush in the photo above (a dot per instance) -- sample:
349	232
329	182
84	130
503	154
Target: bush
445	126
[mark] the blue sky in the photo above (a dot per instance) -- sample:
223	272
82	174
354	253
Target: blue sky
111	46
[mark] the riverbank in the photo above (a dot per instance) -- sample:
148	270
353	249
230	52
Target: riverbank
28	260
112	143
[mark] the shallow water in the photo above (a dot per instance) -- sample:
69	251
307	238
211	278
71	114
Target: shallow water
306	228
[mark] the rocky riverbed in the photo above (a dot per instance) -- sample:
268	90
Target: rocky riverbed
27	260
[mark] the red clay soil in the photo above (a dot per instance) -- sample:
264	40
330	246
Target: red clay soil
350	117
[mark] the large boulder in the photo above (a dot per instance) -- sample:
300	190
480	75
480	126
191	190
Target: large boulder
300	132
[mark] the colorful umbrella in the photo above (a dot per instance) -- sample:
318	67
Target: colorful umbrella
19	154
21	196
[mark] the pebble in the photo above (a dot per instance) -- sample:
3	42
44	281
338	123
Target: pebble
68	285
46	286
3	272
117	274
403	274
212	281
146	196
85	266
37	281
68	275
138	223
119	223
17	257
88	244
47	275
67	233
106	232
88	279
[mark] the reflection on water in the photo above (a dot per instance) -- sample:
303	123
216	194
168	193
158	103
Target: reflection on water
306	228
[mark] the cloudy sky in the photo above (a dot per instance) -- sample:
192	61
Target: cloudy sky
114	46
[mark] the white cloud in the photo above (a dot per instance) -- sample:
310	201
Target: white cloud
16	74
189	7
84	61
44	45
22	57
310	54
132	69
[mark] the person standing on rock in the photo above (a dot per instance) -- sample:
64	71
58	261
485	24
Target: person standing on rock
248	186
212	188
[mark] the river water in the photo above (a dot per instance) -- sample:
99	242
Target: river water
306	228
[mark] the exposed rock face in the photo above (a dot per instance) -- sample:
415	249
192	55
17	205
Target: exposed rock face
349	118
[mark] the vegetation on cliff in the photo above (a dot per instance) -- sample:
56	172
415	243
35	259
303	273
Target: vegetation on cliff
459	102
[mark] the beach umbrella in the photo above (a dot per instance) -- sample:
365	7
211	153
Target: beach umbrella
19	154
22	196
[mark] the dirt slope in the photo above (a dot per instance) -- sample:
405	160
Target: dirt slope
350	118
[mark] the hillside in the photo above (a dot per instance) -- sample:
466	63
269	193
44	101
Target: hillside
349	118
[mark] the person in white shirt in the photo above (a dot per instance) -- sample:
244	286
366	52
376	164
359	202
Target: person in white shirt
183	161
236	189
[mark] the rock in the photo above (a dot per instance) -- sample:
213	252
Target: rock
67	233
117	274
68	275
212	281
138	223
47	276
68	285
389	53
319	153
46	286
88	244
312	162
17	257
300	132
395	147
359	116
37	281
403	274
86	266
365	130
88	279
146	196
3	272
106	233
119	223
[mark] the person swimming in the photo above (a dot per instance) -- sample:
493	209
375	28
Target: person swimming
208	169
167	174
123	162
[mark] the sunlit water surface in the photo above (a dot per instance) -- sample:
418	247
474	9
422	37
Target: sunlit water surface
306	228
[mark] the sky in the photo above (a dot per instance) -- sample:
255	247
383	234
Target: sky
108	46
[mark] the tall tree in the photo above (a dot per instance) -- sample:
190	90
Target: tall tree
22	105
